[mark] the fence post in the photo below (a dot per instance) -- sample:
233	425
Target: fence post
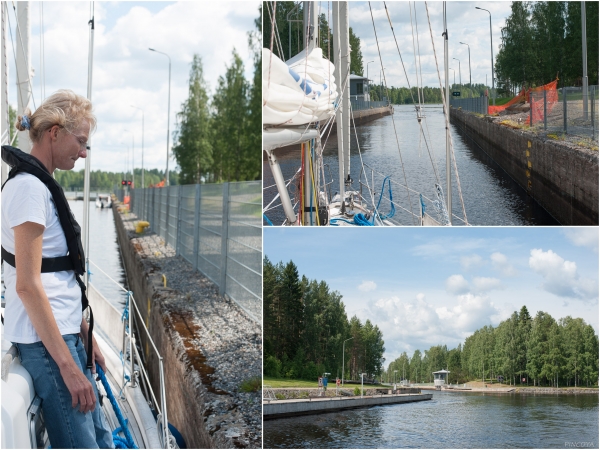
564	108
531	110
168	200
154	226
179	208
195	251
593	110
545	109
224	235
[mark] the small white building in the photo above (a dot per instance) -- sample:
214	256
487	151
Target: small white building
440	378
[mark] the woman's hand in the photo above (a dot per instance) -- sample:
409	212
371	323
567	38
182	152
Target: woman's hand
28	259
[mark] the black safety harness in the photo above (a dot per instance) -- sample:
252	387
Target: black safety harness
75	259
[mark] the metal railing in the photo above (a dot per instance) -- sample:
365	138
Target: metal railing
362	104
215	227
565	111
475	104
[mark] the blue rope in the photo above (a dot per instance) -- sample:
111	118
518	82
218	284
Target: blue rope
361	220
119	441
393	208
267	220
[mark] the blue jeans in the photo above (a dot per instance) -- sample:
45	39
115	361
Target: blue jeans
67	426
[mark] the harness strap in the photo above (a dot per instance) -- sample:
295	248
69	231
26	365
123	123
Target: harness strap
57	264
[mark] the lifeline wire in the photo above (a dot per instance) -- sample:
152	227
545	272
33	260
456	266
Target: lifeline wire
395	131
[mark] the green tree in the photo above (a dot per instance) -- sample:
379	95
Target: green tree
230	103
193	148
356	58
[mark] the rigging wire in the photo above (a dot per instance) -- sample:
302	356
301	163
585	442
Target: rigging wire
446	116
388	95
435	171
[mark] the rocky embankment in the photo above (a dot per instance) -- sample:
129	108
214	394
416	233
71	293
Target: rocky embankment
212	350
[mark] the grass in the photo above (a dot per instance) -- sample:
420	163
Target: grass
500	101
251	385
292	383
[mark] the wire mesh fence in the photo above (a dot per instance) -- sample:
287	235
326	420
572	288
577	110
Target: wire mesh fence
475	104
569	110
215	227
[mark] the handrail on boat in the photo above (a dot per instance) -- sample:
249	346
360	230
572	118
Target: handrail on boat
136	357
7	360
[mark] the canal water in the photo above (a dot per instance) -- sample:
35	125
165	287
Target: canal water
491	197
449	420
103	252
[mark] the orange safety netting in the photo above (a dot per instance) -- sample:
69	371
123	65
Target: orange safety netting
536	101
519	98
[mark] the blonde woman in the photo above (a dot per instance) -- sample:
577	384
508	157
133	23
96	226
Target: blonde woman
43	262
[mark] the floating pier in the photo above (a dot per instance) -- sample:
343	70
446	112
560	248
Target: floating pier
276	409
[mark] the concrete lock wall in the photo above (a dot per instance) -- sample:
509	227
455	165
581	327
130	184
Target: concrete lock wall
185	400
289	408
561	177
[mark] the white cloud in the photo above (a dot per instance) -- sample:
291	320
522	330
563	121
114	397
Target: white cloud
500	263
484	284
416	323
456	284
367	286
583	236
561	277
470	261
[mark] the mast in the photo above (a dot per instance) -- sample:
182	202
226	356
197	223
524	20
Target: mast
23	52
311	33
345	67
339	81
447	107
86	179
5	116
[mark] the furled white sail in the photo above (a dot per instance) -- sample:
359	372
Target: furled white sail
299	91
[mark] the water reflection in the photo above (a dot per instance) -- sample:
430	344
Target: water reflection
449	420
491	197
104	251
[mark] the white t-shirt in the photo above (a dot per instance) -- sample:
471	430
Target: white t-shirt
26	199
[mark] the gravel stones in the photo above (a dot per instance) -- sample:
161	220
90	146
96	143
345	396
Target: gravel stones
220	342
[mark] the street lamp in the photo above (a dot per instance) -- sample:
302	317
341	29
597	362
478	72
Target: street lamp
492	52
368	82
168	114
343	356
459	76
143	185
469	62
395	378
450	68
362	380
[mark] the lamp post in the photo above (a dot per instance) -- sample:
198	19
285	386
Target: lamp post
368	83
450	68
362	380
343	356
492	52
459	75
469	47
395	378
168	115
143	185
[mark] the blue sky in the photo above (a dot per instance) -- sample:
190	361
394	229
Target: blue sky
434	286
125	72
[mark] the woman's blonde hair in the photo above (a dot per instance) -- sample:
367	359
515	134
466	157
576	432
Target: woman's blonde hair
63	108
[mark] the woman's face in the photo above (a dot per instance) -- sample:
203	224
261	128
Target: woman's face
70	146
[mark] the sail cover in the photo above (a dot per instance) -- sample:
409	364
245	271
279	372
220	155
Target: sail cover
299	91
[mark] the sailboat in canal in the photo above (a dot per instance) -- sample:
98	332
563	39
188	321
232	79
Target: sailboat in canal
136	413
304	98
